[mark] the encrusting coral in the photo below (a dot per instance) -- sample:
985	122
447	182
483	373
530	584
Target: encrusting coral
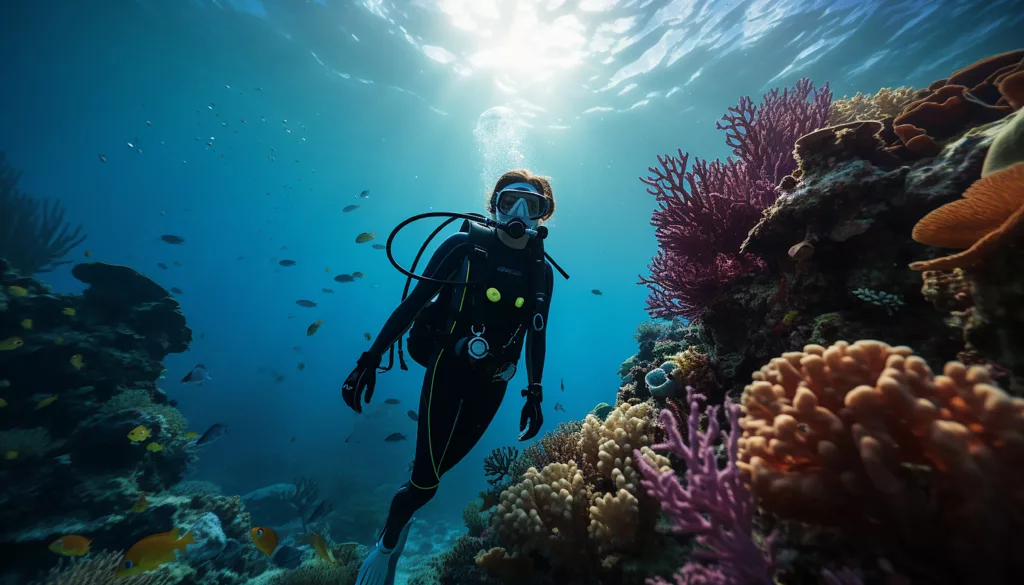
848	435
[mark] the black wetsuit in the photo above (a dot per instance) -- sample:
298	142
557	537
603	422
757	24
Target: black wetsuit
460	397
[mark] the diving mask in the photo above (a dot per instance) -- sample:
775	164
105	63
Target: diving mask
523	201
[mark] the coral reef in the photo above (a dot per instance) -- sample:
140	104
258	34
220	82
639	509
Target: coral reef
34	237
886	103
856	435
705	212
499	465
98	569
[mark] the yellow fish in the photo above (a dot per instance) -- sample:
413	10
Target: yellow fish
3	403
11	343
17	291
26	323
139	433
46	402
264	538
327	270
191	435
365	237
69	312
141	504
153	551
11	455
367	336
71	545
77	361
59	340
154	447
322	550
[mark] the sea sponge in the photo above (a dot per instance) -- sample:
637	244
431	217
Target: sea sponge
990	214
845	435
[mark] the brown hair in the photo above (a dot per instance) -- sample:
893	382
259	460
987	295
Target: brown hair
522	176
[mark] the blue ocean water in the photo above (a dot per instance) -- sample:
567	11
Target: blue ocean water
245	126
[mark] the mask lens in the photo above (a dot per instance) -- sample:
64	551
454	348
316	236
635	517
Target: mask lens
536	205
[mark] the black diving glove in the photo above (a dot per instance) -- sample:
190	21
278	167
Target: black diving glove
531	418
364	377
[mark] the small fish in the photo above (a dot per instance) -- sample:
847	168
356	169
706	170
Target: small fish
378	246
349	208
311	330
301	366
322	550
287	262
140	504
298	349
215	432
153	551
321	512
176	263
103	158
17	291
154	447
344	278
11	343
329	291
77	361
69	311
59	340
64	459
196	376
558	406
191	435
139	433
349	437
161	265
358	274
327	270
392	401
46	402
11	455
412	415
367	336
365	194
563	384
305	303
171	239
365	237
394	437
293	440
177	290
88	253
597	292
26	323
265	539
71	545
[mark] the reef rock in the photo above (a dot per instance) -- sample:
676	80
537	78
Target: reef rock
209	537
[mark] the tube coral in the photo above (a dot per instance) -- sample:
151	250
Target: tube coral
705	211
33	234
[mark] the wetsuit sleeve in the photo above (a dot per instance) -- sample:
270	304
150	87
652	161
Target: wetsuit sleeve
536	341
443	265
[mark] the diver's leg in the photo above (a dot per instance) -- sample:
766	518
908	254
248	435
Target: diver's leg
480	404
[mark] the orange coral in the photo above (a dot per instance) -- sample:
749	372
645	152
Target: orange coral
991	212
845	435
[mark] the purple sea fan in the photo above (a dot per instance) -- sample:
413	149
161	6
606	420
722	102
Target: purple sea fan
713	504
706	211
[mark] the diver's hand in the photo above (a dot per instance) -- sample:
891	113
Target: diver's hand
364	377
531	418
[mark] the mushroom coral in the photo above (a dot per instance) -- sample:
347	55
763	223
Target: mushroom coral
851	434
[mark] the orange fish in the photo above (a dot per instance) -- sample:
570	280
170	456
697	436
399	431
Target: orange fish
153	551
322	549
141	504
313	328
71	545
265	539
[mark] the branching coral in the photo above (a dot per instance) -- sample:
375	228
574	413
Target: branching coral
705	212
303	497
847	435
98	569
713	504
474	518
557	446
887	103
499	464
33	234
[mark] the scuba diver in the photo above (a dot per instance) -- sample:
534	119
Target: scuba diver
492	282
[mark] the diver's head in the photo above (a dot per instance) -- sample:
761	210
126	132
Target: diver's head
521	195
